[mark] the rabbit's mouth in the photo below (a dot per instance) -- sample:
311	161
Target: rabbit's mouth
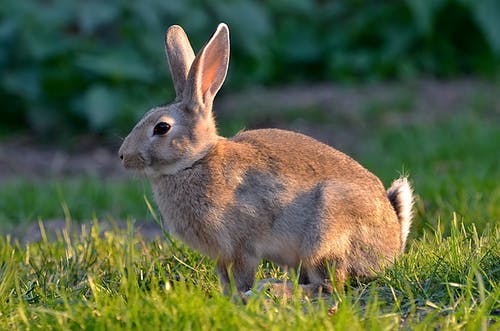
150	167
134	162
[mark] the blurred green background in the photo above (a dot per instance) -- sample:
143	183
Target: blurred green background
95	66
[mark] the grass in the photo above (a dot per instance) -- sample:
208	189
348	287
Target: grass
119	281
26	201
101	280
452	164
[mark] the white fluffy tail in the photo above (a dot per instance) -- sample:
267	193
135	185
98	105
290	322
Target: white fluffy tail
400	195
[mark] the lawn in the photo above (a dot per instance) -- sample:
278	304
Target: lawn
110	277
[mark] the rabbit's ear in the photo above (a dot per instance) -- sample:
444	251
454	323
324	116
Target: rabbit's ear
208	70
180	56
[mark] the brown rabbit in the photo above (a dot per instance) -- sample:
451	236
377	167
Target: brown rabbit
263	194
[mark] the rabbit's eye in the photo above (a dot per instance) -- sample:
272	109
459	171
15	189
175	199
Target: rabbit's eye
161	129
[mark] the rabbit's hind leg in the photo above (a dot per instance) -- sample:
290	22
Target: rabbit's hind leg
238	273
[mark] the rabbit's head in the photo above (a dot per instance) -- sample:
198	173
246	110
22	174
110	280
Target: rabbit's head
171	138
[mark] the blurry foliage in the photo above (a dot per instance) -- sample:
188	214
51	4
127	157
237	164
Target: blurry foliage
93	65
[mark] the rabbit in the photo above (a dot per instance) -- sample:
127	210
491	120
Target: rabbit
262	194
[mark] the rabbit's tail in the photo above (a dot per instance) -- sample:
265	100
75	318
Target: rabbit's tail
400	195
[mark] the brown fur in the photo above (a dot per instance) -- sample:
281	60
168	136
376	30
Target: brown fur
268	193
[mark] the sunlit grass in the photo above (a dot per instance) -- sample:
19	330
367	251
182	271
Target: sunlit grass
117	280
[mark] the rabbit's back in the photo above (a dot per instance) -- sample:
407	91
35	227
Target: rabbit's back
302	156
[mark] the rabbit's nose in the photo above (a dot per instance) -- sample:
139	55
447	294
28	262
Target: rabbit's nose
121	153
